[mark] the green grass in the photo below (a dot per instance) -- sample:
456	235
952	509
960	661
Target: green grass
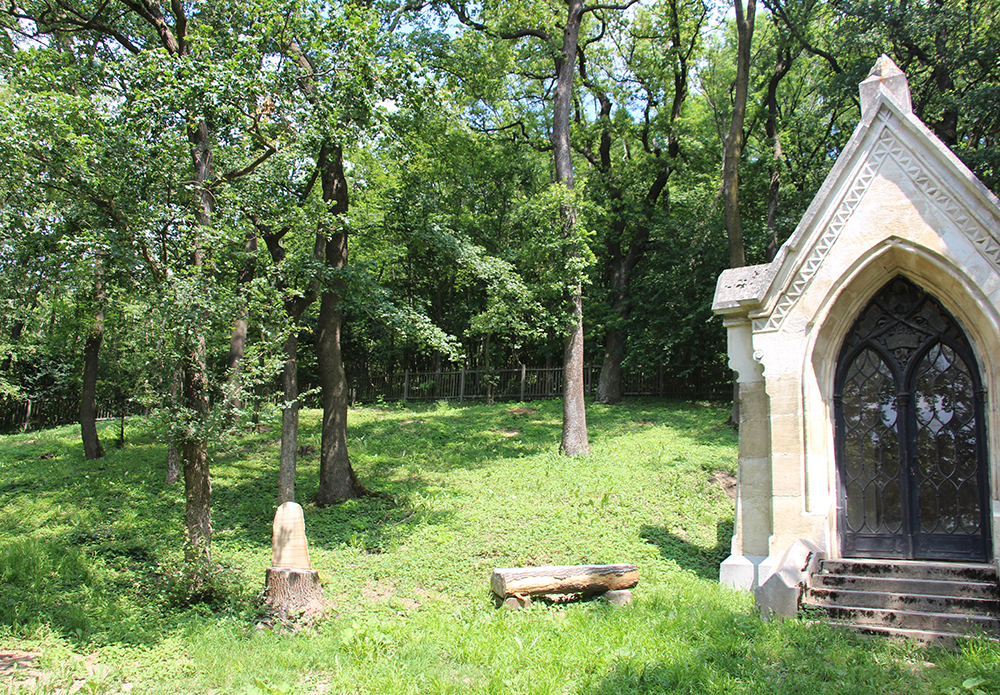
90	553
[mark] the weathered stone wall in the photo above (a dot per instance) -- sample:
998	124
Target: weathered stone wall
896	202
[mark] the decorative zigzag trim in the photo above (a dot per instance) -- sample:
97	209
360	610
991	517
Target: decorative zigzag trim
888	145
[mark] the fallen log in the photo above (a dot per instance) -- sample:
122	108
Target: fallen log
563	579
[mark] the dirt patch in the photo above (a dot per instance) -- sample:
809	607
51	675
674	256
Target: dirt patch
644	423
383	593
18	666
522	411
726	481
378	592
409	422
508	433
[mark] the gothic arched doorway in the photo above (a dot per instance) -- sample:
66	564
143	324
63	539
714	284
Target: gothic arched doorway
910	433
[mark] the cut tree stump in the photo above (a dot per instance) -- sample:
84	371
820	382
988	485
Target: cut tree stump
589	580
291	587
293	592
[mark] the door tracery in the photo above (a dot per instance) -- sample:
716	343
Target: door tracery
910	437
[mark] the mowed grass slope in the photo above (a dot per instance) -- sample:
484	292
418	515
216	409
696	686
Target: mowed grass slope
90	555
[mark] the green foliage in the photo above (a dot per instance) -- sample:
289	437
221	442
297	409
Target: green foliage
87	551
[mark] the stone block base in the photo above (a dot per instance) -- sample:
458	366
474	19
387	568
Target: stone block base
742	571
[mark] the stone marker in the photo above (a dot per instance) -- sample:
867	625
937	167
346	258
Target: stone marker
288	539
621	597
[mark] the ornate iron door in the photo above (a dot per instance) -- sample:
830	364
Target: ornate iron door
910	433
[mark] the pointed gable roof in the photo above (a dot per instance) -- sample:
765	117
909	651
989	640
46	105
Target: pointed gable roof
889	132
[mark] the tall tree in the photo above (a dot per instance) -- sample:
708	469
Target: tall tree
745	16
144	70
353	42
561	40
91	364
647	71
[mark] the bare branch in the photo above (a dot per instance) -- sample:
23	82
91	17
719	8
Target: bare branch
595	8
237	173
180	24
150	12
524	135
463	16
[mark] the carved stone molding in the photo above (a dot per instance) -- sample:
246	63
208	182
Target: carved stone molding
887	146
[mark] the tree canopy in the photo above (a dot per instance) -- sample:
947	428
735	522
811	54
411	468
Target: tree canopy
518	183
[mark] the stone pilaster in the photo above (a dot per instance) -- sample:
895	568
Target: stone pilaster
753	498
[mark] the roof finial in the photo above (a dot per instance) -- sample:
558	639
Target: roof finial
885	78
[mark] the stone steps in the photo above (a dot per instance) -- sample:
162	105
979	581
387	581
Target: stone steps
928	601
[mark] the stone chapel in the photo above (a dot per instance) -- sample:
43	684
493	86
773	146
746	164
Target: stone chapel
868	359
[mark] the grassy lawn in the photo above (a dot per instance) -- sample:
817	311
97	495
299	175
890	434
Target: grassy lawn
90	552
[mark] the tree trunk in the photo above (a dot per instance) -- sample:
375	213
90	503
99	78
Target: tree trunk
574	430
733	150
734	138
293	593
337	481
194	449
121	418
611	383
173	455
563	579
15	338
289	419
238	338
947	127
92	448
295	305
194	442
781	68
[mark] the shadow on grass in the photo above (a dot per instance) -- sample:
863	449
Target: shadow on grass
704	563
89	545
453	437
445	437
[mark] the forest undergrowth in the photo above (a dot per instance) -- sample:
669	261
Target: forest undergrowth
92	597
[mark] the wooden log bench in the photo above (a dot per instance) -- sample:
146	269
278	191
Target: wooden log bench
514	587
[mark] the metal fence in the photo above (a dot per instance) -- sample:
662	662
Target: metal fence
532	383
17	414
518	384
